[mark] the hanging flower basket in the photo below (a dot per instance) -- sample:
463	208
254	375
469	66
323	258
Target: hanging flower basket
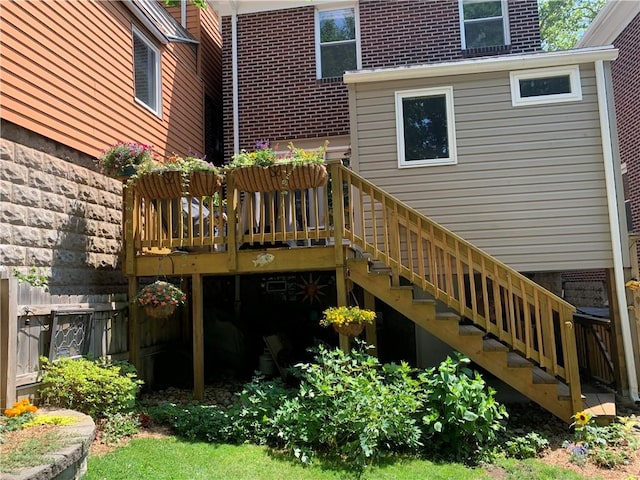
159	299
349	329
159	312
349	321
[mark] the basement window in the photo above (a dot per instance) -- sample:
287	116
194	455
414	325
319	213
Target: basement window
545	85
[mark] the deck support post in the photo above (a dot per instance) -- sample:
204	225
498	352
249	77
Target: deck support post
337	196
371	330
134	326
197	312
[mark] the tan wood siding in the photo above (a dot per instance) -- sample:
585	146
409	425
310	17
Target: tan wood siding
67	74
529	183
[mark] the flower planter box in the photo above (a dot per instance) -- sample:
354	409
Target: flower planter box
160	186
279	177
168	185
204	184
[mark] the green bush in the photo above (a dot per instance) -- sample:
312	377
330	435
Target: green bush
460	417
96	388
117	426
526	446
351	406
249	419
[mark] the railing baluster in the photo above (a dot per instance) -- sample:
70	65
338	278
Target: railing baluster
485	295
472	286
527	321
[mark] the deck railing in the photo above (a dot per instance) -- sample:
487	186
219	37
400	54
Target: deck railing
506	304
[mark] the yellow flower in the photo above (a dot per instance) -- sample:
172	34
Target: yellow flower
582	418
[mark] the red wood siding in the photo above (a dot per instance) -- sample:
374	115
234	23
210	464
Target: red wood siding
67	75
211	44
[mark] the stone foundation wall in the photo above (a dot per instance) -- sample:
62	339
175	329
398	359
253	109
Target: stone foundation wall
59	216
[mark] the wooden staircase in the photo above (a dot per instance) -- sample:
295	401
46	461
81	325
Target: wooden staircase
502	320
483	349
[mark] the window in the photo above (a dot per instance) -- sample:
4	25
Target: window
483	23
425	127
336	42
146	72
545	85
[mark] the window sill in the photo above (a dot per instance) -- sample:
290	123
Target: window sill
482	51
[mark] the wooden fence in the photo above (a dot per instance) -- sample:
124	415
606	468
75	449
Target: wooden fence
26	320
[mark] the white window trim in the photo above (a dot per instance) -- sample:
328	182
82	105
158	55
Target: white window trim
505	23
573	71
317	36
426	92
158	68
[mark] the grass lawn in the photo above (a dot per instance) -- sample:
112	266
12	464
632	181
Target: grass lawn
175	459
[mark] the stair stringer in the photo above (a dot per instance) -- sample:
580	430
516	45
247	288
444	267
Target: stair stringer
448	329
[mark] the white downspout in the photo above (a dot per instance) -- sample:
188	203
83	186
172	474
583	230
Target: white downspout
614	227
234	73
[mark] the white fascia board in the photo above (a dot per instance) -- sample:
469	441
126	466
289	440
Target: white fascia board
483	65
140	15
609	23
227	7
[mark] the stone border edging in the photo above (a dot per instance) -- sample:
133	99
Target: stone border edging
69	463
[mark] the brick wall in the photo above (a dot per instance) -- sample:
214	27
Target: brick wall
626	81
61	217
279	94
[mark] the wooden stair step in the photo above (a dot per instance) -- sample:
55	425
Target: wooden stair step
447	316
541	377
470	330
516	361
493	345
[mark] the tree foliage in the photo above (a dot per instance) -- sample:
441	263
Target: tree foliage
562	22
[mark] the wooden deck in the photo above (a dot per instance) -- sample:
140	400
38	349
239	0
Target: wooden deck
378	242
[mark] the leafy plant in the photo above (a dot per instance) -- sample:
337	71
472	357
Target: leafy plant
159	294
116	426
460	416
351	406
116	159
606	446
96	388
340	316
33	277
264	156
526	446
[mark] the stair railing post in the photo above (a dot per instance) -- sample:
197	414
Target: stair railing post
572	370
337	204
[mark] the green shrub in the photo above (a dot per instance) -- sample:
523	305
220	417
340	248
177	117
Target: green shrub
96	388
351	406
526	446
117	426
249	419
460	417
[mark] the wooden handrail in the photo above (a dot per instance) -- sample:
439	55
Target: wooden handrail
531	320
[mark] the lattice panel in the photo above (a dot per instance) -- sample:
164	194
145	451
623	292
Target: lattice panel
70	333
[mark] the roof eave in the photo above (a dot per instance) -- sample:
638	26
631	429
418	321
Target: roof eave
483	65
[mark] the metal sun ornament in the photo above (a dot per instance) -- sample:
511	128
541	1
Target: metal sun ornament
311	290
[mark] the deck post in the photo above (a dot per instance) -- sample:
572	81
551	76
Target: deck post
634	294
572	370
232	223
337	203
134	326
617	345
197	312
371	330
8	341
